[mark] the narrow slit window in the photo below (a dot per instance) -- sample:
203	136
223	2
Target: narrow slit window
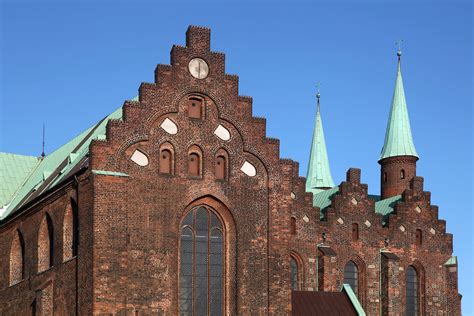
419	237
293	226
355	231
402	174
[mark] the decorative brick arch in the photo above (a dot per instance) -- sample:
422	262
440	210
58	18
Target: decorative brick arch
45	243
195	161
221	164
229	234
361	278
70	231
17	258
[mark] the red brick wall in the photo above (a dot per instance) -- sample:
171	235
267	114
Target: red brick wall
128	258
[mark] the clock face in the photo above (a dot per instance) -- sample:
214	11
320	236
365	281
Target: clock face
198	68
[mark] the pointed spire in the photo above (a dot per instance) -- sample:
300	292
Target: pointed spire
398	138
319	175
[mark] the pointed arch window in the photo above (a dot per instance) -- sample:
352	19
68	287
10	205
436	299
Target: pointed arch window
70	231
412	292
17	258
166	161
351	276
221	166
45	244
294	274
201	263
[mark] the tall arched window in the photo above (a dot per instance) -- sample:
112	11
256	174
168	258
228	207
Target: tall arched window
45	244
294	274
351	276
201	263
70	231
355	232
293	226
17	255
411	296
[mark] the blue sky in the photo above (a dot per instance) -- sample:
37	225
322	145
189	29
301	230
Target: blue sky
70	64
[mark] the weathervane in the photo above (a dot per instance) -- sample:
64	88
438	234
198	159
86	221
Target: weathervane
318	95
399	44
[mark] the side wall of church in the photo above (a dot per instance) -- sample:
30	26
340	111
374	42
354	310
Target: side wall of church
36	289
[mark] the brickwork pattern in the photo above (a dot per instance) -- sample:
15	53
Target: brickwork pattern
128	249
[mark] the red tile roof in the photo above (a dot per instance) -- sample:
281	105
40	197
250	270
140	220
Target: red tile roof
321	303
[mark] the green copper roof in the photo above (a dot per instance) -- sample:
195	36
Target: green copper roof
384	207
353	298
451	261
50	170
398	138
14	170
319	174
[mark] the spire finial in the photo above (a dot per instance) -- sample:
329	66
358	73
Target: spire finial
318	94
399	52
42	153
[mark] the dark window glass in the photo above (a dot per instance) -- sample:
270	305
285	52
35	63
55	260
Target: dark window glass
202	264
351	276
411	292
294	274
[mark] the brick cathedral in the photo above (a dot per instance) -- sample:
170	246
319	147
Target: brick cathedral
178	204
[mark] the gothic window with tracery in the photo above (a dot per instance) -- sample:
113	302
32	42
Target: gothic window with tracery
201	263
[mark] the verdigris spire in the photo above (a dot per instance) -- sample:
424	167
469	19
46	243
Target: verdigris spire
398	138
319	174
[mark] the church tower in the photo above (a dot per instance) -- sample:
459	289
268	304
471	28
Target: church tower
319	176
398	157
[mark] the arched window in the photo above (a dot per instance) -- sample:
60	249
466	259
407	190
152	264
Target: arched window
294	274
351	276
17	257
165	161
195	161
402	174
221	167
195	107
419	237
45	244
355	231
411	296
201	263
384	177
70	231
293	226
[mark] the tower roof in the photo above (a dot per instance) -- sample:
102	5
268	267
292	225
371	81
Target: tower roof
398	138
319	174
